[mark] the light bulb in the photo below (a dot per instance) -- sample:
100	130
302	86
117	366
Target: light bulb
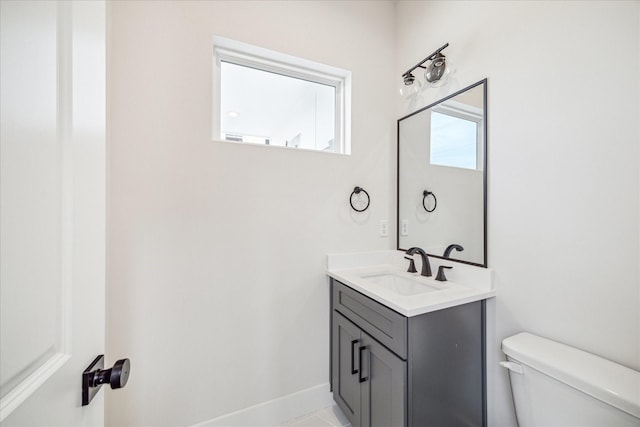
410	86
438	71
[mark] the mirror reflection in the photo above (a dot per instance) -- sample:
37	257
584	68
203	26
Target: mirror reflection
442	177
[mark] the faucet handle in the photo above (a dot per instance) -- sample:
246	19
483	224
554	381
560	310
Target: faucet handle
412	265
440	276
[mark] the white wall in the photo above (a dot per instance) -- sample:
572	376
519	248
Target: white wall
216	253
563	161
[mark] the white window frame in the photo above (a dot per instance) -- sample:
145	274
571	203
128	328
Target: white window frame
234	52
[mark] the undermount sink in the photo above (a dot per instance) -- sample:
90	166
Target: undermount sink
401	284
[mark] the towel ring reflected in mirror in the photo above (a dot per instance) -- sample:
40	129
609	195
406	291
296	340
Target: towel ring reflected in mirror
425	194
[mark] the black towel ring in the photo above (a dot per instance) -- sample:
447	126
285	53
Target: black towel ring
359	190
425	194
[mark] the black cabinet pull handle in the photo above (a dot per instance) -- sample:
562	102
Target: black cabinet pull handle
360	377
353	362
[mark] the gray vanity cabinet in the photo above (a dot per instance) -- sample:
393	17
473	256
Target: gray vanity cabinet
345	337
370	381
389	370
383	393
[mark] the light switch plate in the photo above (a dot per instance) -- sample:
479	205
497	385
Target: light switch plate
404	227
384	228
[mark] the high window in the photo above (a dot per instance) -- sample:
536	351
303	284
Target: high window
266	97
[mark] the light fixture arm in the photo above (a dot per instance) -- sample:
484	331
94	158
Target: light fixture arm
428	58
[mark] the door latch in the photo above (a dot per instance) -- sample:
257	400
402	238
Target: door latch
95	375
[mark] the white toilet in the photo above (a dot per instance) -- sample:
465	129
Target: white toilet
555	385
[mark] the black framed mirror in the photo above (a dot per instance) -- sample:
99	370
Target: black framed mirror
442	177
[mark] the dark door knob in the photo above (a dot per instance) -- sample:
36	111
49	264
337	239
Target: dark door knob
117	376
95	375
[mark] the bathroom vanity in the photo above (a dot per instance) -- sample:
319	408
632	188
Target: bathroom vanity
406	350
403	356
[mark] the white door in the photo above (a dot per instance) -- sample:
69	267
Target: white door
52	210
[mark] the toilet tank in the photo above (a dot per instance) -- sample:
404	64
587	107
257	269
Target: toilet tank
554	384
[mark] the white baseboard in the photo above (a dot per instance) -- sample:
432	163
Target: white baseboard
277	411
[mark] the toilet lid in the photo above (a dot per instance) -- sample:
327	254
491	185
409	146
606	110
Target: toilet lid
603	379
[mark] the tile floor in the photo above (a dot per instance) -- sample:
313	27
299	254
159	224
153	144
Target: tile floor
327	417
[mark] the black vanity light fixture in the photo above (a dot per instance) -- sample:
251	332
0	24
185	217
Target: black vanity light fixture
436	73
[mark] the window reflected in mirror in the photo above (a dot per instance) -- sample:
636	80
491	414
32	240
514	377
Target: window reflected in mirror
455	138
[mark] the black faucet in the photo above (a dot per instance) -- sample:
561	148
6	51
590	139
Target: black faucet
426	267
450	248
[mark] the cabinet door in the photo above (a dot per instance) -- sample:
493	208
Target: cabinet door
384	390
346	340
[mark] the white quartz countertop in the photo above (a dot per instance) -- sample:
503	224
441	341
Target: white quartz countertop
465	283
